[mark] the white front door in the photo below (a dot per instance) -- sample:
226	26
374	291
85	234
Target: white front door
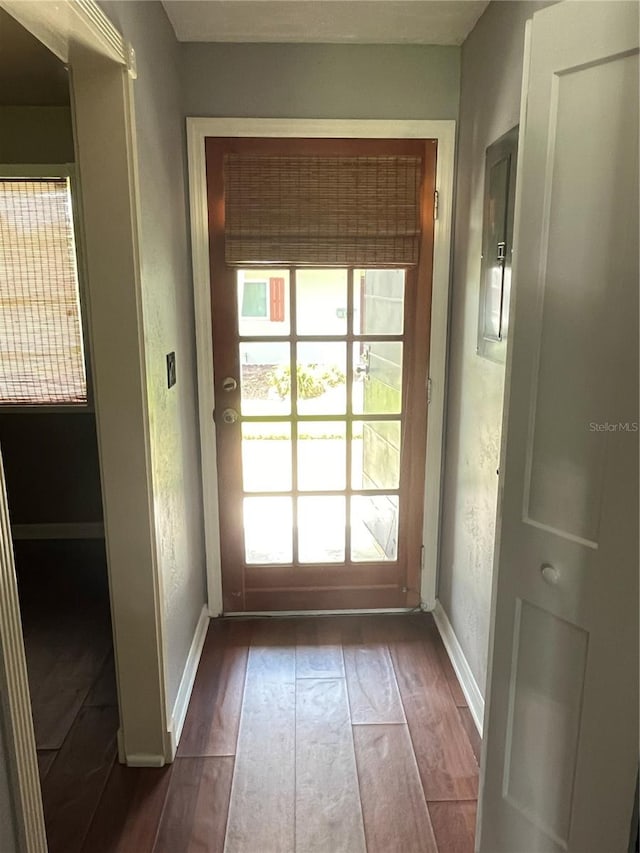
561	738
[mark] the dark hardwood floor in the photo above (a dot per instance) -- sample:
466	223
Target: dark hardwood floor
64	604
337	734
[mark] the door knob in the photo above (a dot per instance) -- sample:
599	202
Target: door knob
229	384
550	574
230	416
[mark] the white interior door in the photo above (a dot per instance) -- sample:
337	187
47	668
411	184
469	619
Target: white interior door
561	745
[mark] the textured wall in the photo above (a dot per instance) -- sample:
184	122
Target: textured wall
489	106
356	81
168	325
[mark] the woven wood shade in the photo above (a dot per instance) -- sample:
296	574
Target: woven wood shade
322	211
41	352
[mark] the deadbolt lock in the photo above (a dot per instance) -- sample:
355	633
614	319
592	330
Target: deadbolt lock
229	384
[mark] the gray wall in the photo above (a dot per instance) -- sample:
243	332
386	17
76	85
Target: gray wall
167	306
489	106
31	134
321	81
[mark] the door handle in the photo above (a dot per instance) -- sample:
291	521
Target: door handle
230	416
550	574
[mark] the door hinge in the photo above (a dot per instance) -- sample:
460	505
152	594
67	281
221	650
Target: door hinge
429	391
436	202
132	65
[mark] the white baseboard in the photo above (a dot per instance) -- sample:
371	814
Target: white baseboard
59	530
145	759
286	613
461	666
181	704
138	759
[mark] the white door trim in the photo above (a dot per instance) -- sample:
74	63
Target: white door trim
444	131
16	713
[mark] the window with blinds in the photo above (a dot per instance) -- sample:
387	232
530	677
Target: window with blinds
322	210
41	346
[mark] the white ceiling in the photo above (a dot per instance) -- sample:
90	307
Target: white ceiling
329	21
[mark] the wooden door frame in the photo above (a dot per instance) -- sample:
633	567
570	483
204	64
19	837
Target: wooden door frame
102	74
444	131
295	584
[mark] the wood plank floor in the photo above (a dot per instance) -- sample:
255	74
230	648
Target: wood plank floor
64	603
337	734
345	734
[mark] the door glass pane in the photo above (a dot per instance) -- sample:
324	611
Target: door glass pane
378	302
374	528
375	455
321	455
377	378
264	378
266	457
321	302
321	529
267	530
321	378
263	302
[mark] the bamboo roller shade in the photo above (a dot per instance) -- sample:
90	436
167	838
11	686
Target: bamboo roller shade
41	350
322	210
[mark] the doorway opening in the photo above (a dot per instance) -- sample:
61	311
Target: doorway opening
49	442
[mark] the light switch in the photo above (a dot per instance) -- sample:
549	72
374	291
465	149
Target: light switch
171	369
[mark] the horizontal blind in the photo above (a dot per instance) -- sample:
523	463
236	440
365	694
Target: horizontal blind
41	349
322	210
